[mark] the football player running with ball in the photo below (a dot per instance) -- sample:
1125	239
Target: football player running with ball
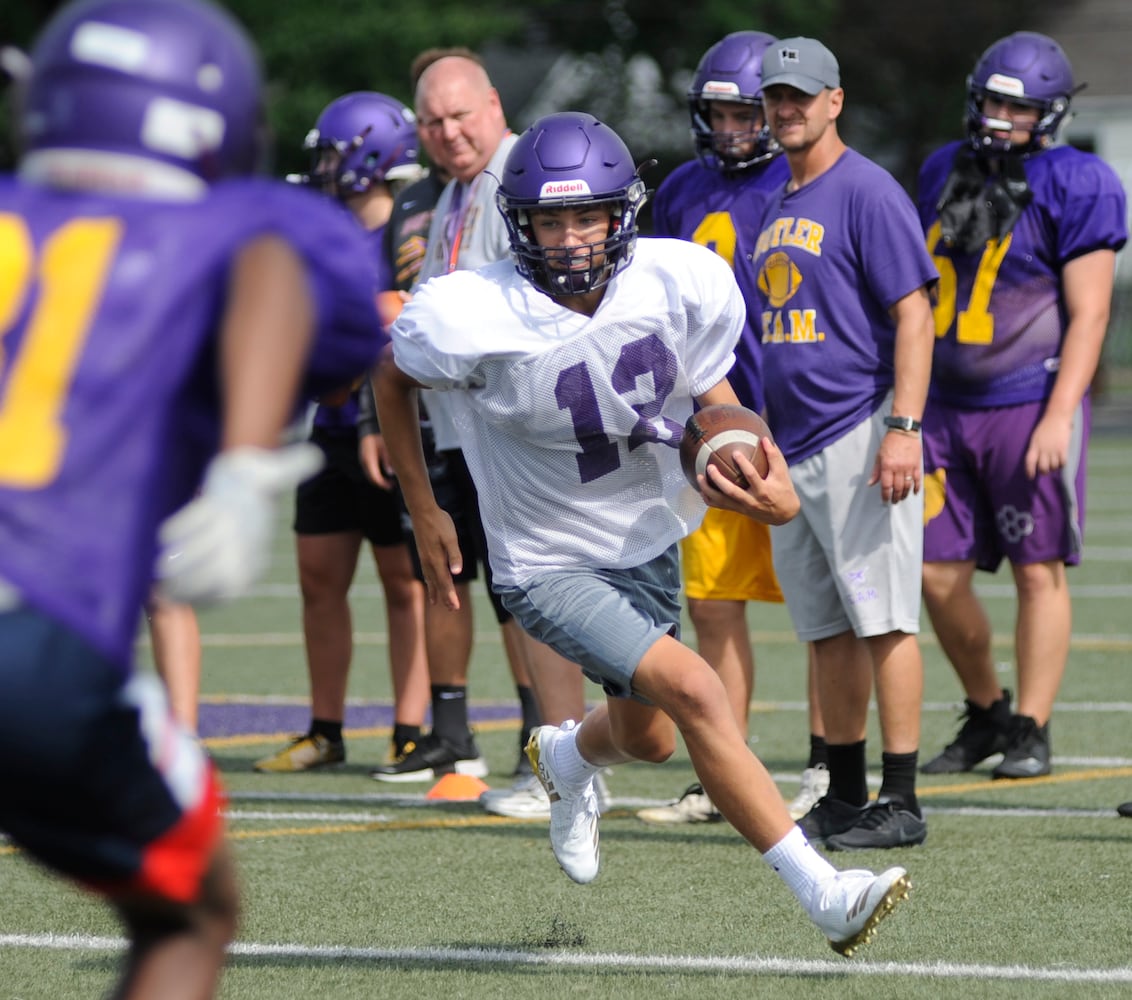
570	421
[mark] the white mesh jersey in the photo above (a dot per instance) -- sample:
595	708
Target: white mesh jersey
570	424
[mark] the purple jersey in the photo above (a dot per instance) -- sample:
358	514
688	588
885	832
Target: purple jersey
723	212
109	402
831	259
1000	319
344	419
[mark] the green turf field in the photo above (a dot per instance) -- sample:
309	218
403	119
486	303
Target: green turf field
358	890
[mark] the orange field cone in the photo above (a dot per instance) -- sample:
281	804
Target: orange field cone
457	788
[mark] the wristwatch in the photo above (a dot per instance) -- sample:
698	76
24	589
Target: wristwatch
902	423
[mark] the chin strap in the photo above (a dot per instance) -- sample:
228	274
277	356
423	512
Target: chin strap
978	205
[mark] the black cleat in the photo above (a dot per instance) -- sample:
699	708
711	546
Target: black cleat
985	732
1027	754
431	758
882	825
829	817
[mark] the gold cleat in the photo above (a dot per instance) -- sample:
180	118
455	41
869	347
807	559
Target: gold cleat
897	892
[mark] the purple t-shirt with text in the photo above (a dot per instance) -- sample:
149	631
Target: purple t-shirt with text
830	261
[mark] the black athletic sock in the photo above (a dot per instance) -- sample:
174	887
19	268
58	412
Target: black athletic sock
847	773
328	728
819	752
898	779
529	709
403	733
450	713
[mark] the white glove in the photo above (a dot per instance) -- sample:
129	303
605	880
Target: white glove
216	546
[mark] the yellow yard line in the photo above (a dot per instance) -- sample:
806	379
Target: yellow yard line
1061	778
434	823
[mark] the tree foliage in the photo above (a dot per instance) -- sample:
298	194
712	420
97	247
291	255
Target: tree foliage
903	66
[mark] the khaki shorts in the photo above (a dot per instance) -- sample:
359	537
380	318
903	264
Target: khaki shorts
849	560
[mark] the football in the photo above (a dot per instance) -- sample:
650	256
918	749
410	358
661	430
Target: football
714	433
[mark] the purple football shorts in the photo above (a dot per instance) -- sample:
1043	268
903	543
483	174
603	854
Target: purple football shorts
979	503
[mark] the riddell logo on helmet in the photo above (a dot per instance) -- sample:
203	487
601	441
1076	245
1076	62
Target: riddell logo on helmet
721	87
1009	85
561	189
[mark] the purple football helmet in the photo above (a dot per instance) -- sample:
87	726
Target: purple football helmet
152	96
731	70
1027	68
361	139
566	160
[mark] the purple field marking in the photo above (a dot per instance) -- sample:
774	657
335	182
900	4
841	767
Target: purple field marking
239	718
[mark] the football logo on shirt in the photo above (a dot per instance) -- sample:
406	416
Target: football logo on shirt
779	279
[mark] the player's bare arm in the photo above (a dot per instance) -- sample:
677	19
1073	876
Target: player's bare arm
433	530
267	333
374	457
1086	284
899	461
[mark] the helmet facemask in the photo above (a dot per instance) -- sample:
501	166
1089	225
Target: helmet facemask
590	265
993	135
724	151
336	168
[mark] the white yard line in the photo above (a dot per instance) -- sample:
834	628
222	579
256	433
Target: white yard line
493	958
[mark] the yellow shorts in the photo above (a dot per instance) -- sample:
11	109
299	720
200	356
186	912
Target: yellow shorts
728	558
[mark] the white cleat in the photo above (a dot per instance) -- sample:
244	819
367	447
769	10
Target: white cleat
573	812
815	783
848	905
692	807
525	799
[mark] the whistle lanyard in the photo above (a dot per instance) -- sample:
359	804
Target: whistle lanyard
457	215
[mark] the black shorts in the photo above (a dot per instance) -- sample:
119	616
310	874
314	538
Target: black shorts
341	498
456	494
98	781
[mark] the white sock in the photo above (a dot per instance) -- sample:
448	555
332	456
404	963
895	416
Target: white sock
572	768
799	865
